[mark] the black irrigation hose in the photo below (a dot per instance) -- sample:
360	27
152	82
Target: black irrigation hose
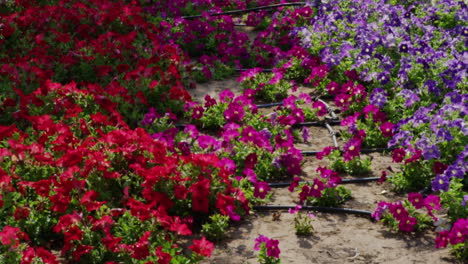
371	150
269	105
263	70
233	12
343	181
315	208
318	123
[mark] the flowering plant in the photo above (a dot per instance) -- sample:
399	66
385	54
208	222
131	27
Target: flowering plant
268	250
302	222
404	216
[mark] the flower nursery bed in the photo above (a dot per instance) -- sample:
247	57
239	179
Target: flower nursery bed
233	131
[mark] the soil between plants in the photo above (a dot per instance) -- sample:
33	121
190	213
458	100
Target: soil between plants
337	238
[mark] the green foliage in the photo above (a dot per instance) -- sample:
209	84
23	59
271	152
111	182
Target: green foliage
332	197
453	200
215	230
356	166
413	177
266	91
303	224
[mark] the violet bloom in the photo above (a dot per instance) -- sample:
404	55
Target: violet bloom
409	96
431	152
149	117
305	134
378	97
465	200
454	171
440	183
367	50
382	208
383	78
432	87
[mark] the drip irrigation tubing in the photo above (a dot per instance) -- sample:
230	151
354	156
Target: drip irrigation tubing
371	150
254	9
315	208
343	181
306	124
263	70
269	105
318	123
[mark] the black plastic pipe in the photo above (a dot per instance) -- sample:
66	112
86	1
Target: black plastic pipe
318	123
233	12
269	105
263	70
315	208
343	181
371	150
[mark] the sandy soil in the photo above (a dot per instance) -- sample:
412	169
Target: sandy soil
337	238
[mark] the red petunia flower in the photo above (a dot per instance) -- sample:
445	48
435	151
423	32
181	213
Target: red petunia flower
202	247
200	193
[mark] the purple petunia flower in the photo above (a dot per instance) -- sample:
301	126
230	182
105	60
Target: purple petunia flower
465	200
381	209
409	96
440	183
305	134
431	152
454	171
378	97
